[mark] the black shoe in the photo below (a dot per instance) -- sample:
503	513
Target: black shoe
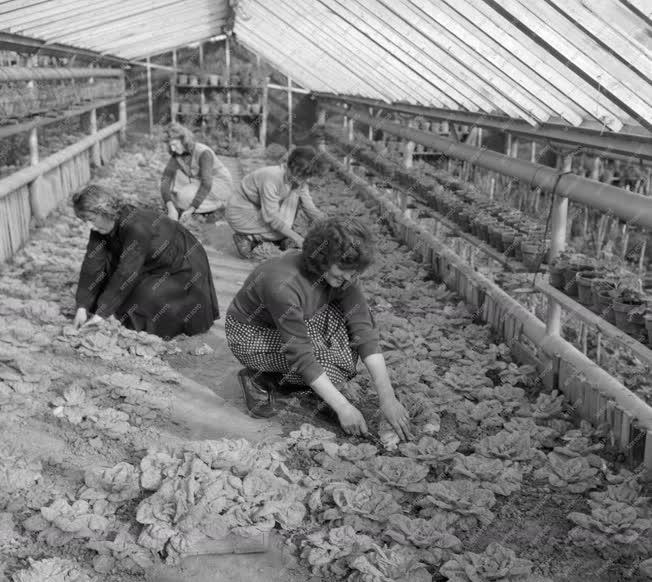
244	245
287	244
260	397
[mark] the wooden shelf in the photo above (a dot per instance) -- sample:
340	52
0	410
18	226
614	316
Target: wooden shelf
602	325
10	129
223	87
196	113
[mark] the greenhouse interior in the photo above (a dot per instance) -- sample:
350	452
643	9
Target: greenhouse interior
325	290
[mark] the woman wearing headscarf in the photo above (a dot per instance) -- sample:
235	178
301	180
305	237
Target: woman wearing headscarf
302	320
194	181
144	269
265	205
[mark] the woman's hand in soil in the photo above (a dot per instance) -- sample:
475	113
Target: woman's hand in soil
185	215
398	417
352	421
93	321
81	317
172	212
298	240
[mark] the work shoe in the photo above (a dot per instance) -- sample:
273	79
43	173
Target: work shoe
259	393
287	244
244	245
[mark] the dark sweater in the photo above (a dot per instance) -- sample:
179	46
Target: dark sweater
279	294
205	176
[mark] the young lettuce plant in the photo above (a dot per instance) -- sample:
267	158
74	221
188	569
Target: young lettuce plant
574	474
514	374
495	564
580	446
462	502
405	474
513	446
53	569
548	406
396	563
498	476
366	505
430	535
429	450
614	530
511	397
541	436
329	552
486	414
628	491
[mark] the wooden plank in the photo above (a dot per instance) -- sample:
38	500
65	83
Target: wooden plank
601	416
17	128
604	327
550	373
617	425
625	431
566	384
592	396
647	455
611	415
636	448
582	403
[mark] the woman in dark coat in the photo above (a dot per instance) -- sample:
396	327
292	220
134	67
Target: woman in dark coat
143	268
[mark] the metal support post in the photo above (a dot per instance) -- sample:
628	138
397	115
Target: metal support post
150	105
557	244
290	112
321	122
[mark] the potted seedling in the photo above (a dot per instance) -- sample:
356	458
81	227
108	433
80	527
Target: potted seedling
532	253
648	326
576	263
629	305
557	268
509	236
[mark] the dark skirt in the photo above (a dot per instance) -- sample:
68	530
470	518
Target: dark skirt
261	348
175	298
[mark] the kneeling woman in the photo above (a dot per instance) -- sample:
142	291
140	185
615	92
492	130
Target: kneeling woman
143	268
302	319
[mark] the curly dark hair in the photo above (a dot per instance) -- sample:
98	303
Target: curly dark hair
345	242
303	162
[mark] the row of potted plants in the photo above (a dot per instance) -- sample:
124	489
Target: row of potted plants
216	108
17	101
606	289
507	229
236	79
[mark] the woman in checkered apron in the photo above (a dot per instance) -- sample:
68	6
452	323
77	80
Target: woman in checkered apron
302	320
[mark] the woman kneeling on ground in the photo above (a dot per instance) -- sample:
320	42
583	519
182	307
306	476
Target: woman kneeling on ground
302	319
144	269
194	181
265	205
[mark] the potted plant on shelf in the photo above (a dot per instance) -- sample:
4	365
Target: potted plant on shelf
556	269
576	262
533	252
584	281
648	326
508	236
630	306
